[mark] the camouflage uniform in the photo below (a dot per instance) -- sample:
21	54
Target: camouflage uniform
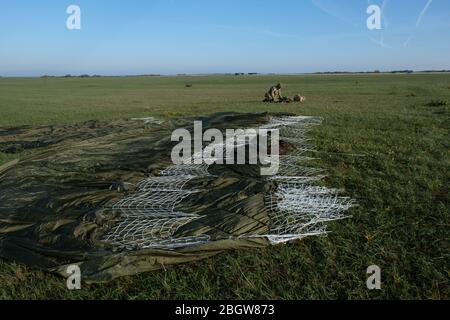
274	94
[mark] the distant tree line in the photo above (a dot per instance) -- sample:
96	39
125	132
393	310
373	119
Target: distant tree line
73	76
364	72
443	70
255	73
378	71
243	73
96	76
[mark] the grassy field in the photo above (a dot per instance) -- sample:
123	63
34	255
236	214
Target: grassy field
380	140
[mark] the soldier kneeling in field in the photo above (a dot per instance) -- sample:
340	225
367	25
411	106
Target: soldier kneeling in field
274	94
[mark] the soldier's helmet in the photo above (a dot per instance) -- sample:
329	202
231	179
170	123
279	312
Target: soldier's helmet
278	85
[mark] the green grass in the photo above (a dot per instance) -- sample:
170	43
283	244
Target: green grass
381	140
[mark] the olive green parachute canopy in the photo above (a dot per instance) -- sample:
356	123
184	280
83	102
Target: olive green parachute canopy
107	196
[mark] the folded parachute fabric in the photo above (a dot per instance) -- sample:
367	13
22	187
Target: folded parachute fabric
107	197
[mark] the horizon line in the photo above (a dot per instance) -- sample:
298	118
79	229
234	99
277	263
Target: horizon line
94	75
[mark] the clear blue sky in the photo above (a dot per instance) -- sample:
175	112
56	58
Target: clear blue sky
215	36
